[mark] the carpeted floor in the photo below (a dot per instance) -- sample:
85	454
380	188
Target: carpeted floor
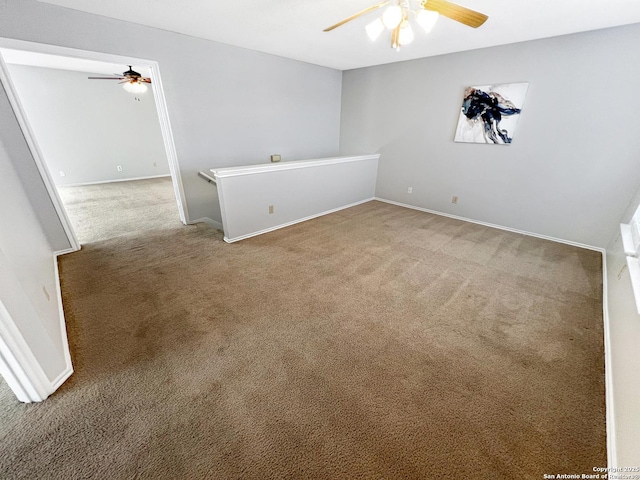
109	210
375	342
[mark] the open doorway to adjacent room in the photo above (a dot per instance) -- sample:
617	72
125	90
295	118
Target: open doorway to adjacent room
106	152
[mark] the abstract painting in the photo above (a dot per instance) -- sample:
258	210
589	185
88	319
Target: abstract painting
490	113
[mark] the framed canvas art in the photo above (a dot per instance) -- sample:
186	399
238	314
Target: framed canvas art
490	113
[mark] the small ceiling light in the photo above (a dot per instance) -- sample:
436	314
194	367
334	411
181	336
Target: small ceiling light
135	87
392	16
405	37
427	19
374	29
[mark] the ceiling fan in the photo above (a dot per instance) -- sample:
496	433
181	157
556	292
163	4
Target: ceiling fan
132	80
396	18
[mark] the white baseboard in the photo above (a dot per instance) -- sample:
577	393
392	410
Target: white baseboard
65	251
610	417
209	221
23	371
19	367
612	451
492	225
64	375
288	224
114	181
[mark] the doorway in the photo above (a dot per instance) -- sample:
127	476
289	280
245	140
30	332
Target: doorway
67	63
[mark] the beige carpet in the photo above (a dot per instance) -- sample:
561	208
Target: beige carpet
108	210
376	342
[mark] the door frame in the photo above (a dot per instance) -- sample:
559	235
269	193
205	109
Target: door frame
161	107
18	366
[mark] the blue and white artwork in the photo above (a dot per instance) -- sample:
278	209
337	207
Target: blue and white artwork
490	113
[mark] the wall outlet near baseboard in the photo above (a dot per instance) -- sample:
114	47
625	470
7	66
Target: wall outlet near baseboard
454	199
119	168
270	209
276	158
410	190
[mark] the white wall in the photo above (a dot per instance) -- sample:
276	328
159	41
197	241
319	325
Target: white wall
297	191
228	106
86	128
28	281
573	165
20	157
624	324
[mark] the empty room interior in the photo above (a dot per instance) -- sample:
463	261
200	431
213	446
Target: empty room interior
103	149
319	239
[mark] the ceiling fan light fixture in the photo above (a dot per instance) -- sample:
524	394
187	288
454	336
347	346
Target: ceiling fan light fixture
427	19
406	36
374	29
396	18
392	16
135	87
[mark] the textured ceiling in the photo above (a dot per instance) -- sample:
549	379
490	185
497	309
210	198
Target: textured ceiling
293	28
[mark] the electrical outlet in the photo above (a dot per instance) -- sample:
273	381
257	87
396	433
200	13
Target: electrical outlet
276	158
454	199
410	190
119	168
62	174
270	209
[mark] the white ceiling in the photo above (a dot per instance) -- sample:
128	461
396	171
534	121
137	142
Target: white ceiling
293	28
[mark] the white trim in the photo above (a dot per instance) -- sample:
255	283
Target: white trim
272	167
63	332
631	247
633	264
18	365
627	240
64	252
209	221
29	137
300	220
492	225
161	107
223	208
612	449
114	181
60	379
13	378
169	144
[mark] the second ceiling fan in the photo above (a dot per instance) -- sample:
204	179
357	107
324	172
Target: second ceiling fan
132	80
396	18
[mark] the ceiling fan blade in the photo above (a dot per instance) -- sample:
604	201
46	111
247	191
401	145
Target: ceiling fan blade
395	37
105	78
456	12
356	15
